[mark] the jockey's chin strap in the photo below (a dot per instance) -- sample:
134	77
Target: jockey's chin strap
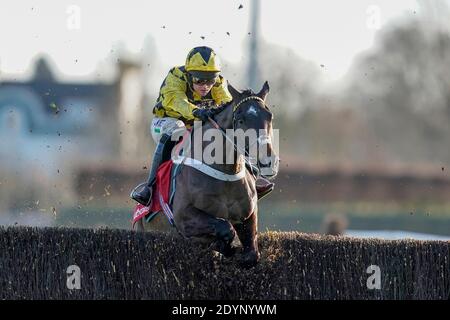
239	150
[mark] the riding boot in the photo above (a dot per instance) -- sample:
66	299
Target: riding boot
143	192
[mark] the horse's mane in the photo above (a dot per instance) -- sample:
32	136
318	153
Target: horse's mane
222	107
246	93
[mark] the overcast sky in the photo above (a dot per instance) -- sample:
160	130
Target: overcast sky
326	32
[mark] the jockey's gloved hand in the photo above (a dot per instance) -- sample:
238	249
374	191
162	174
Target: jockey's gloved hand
203	114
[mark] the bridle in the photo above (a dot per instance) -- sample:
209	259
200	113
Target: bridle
237	105
244	152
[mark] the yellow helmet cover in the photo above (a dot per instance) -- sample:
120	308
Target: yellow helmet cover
202	59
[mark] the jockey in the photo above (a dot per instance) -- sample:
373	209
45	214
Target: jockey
186	94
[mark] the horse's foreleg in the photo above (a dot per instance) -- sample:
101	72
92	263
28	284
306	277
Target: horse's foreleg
158	223
247	233
203	226
139	226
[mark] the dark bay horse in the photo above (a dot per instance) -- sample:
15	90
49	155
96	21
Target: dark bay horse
214	202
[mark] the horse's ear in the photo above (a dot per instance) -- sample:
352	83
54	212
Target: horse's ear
264	91
234	93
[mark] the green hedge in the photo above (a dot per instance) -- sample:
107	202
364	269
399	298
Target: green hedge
119	264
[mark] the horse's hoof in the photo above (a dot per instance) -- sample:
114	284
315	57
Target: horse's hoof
229	252
226	249
249	259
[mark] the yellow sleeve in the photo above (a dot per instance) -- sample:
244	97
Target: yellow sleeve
173	95
220	92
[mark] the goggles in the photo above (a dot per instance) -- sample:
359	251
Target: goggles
200	81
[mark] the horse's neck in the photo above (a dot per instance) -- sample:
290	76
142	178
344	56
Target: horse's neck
225	121
225	118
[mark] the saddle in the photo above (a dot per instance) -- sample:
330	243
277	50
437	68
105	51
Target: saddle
163	190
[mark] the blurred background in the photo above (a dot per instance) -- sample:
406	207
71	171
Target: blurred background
360	92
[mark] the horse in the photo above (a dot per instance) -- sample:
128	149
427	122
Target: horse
215	208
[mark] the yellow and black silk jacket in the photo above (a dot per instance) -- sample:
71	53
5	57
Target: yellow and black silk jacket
177	99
